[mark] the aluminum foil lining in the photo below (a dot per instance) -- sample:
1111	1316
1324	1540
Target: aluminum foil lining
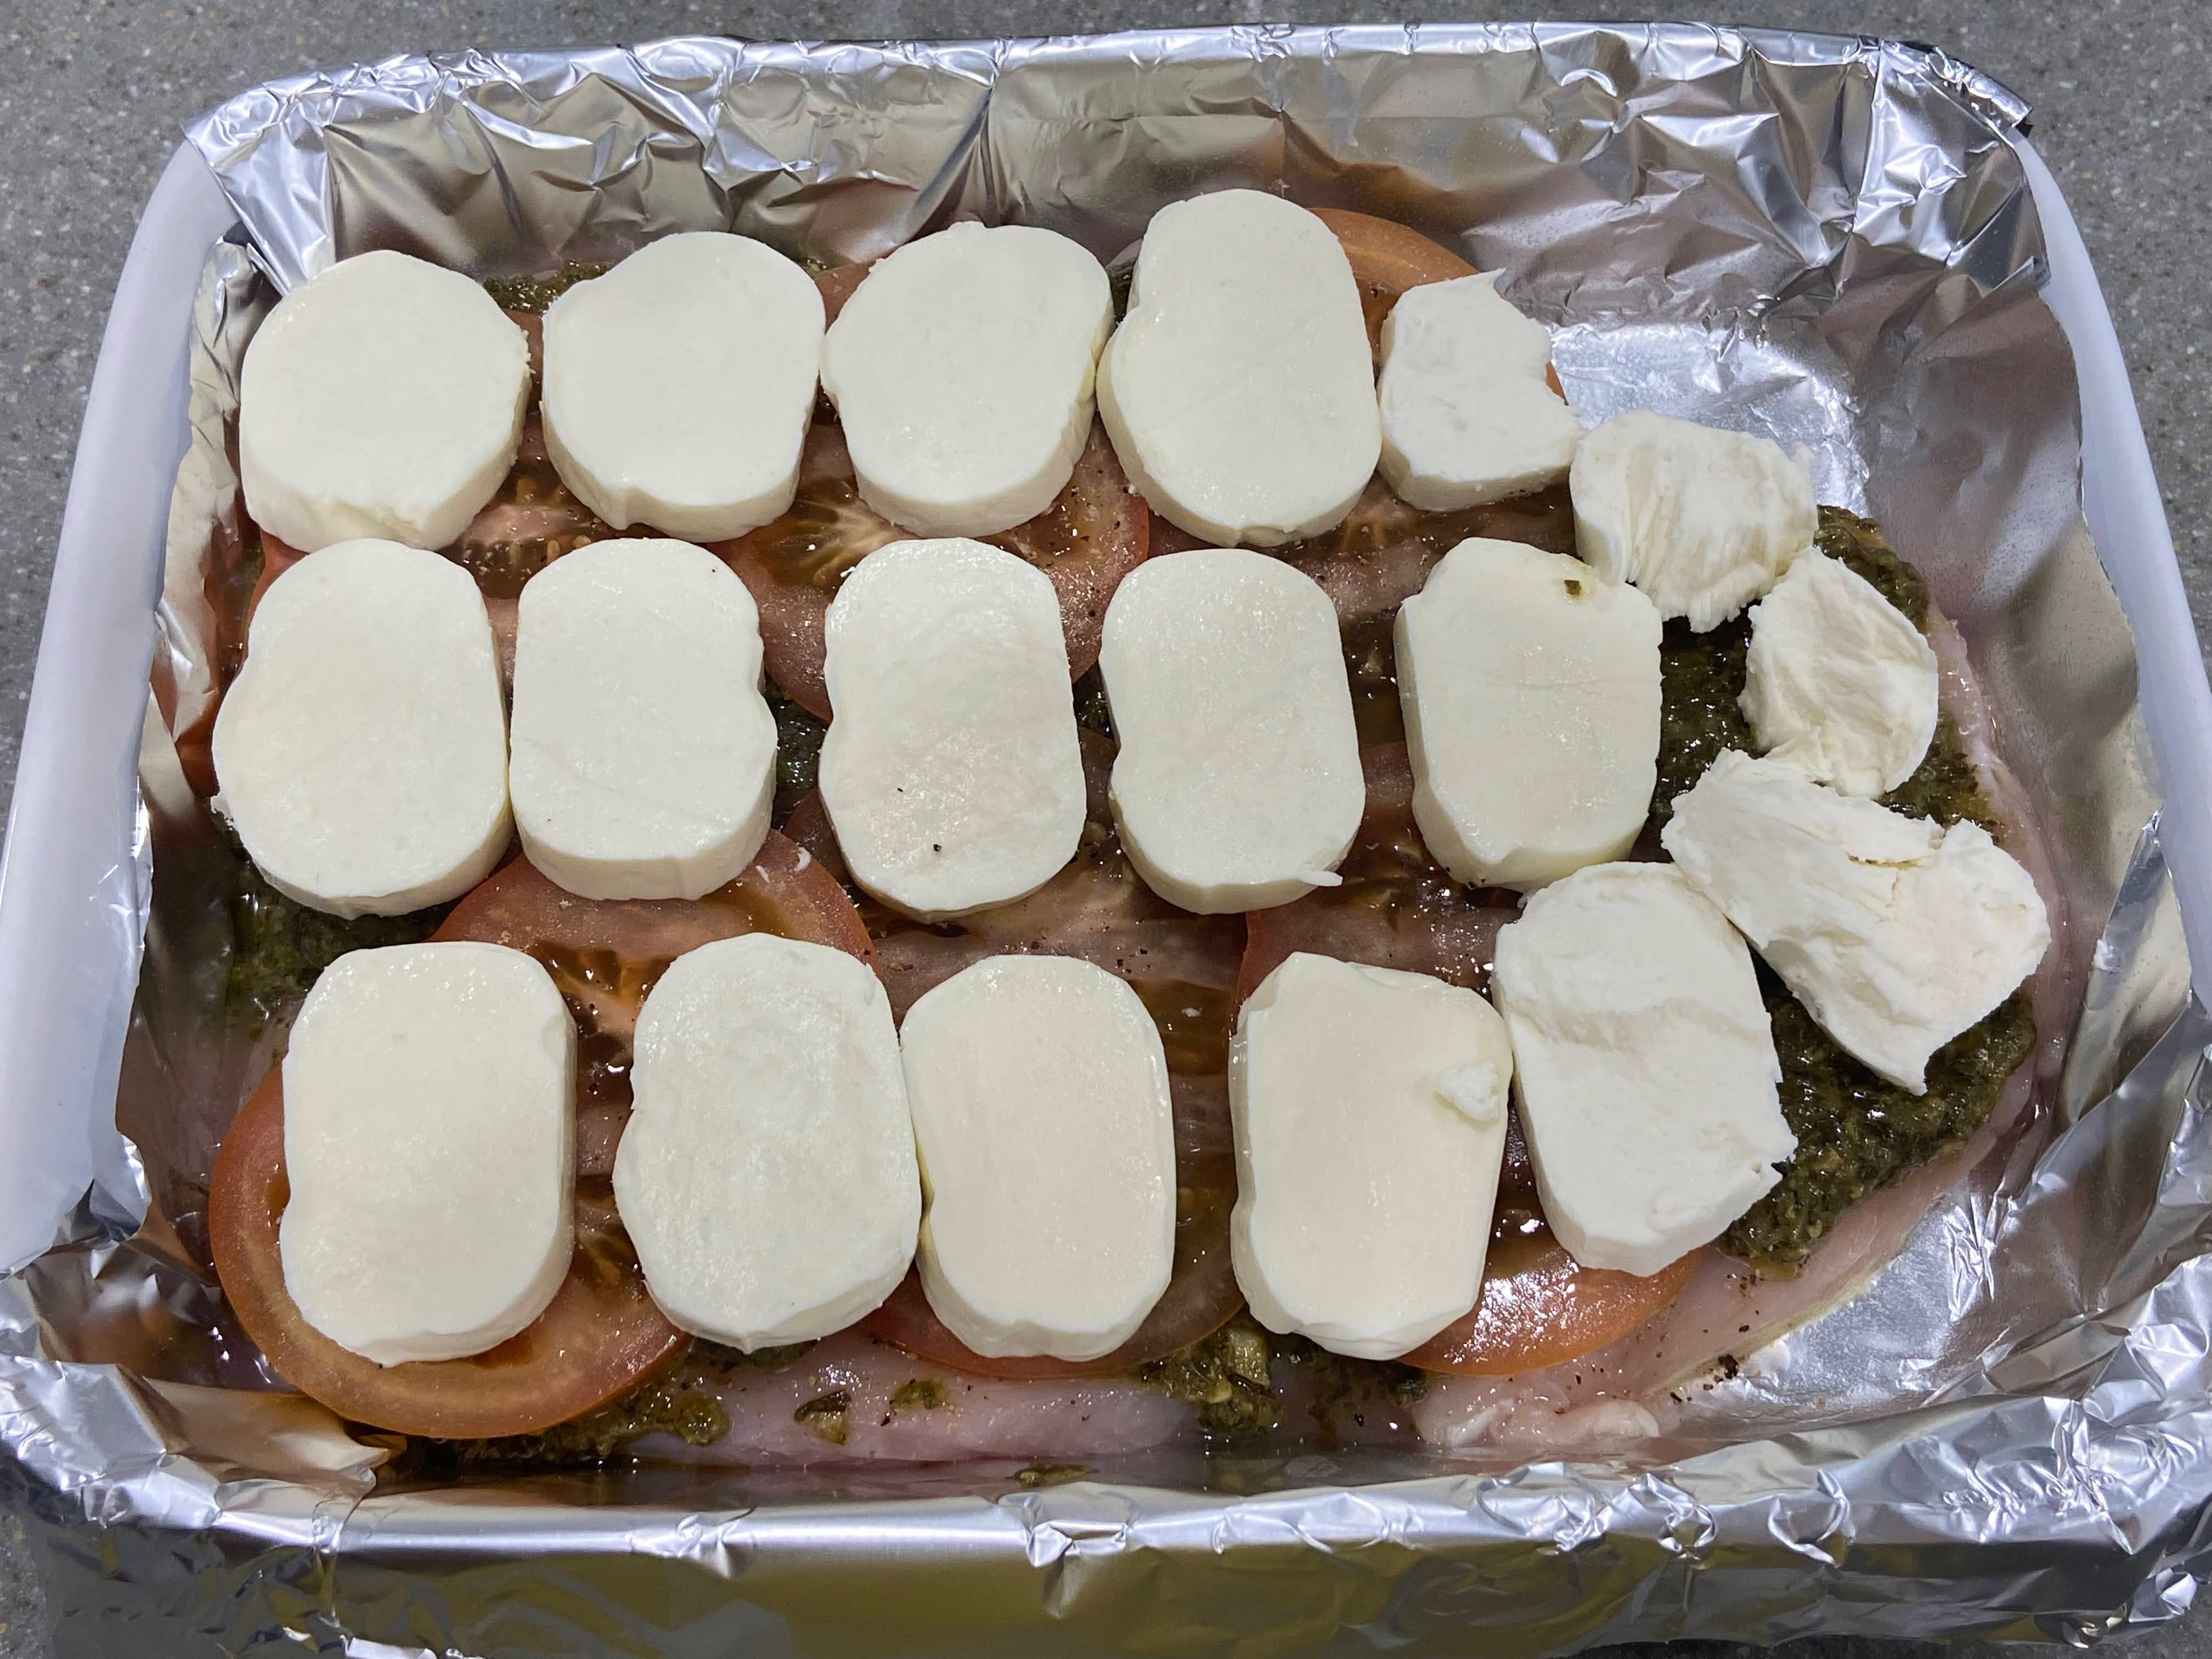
2009	1431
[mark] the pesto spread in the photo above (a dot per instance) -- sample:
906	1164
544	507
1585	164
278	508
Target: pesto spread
1226	1375
798	751
279	947
534	294
675	1403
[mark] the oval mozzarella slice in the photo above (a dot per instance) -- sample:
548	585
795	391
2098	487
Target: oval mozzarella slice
383	399
951	770
1468	416
1237	784
1369	1108
1703	521
962	371
1644	1063
361	752
1838	683
1531	692
429	1144
679	386
1895	933
767	1175
644	762
1239	390
1039	1089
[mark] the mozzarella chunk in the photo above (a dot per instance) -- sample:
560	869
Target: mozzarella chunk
361	752
384	398
1531	692
644	754
1703	520
1896	933
1370	1114
1237	784
429	1142
679	386
1239	390
951	771
1840	683
1467	415
767	1175
1039	1090
962	371
1645	1065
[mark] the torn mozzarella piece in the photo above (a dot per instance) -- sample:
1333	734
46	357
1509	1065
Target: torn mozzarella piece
679	386
1239	390
951	771
1896	933
1644	1065
1369	1113
644	754
767	1174
1839	682
429	1144
384	398
1467	415
1237	784
1039	1090
1531	692
1703	520
361	752
962	371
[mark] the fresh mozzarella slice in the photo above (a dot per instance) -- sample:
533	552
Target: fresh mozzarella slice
1644	1065
644	762
1239	390
962	371
1237	785
1896	933
1531	691
383	399
1840	683
1370	1112
1039	1090
679	386
429	1142
767	1175
1703	521
1467	415
951	771
361	752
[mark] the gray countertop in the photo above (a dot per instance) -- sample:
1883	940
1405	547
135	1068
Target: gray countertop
93	91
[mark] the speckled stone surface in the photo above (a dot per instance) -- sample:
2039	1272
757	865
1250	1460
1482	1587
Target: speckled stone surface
92	91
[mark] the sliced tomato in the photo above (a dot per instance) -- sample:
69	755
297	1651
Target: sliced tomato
598	1337
836	285
1183	967
1095	531
606	954
1388	258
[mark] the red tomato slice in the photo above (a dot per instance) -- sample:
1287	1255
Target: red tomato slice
1184	968
1399	908
1095	533
836	285
598	1337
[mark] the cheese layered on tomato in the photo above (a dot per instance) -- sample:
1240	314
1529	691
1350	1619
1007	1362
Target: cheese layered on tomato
384	398
1237	785
362	750
1239	389
767	1176
644	753
679	386
429	1142
962	369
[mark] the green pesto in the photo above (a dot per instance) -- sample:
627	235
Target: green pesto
1944	787
534	294
1856	1133
826	1415
1092	712
798	751
1225	1376
924	1394
1050	1475
672	1404
279	947
1859	544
